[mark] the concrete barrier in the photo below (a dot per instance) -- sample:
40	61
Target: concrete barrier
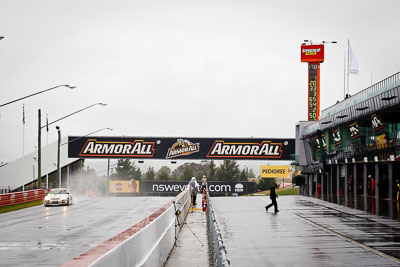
22	197
147	243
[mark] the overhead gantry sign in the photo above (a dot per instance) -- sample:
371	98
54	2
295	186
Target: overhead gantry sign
180	148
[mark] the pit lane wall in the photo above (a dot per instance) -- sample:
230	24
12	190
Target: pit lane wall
147	243
22	197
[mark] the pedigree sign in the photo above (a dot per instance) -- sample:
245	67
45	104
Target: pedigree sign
312	53
274	172
123	186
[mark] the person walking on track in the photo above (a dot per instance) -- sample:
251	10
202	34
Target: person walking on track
272	196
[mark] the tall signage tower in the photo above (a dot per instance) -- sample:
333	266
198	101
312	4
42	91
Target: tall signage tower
314	55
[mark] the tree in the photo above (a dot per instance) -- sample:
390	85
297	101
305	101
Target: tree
164	173
251	174
264	184
228	171
212	171
150	174
243	175
187	174
125	170
138	174
197	170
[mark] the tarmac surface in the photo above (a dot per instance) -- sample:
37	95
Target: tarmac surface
51	236
306	232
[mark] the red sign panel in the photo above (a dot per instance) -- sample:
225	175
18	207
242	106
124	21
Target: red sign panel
312	53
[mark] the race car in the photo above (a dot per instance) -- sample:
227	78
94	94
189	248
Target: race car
58	196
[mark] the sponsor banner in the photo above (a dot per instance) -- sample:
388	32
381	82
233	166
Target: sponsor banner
214	188
180	148
274	172
162	186
317	142
123	186
381	141
217	188
377	123
312	53
354	133
337	141
313	91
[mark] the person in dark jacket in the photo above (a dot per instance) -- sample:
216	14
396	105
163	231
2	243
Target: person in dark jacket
272	196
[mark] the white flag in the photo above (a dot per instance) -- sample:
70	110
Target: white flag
353	63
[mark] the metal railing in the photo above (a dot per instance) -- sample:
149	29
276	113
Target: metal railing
217	247
368	93
374	90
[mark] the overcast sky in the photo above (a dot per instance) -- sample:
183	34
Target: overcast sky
181	68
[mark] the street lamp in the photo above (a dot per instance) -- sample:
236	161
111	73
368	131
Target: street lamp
58	156
40	136
1	37
70	86
111	129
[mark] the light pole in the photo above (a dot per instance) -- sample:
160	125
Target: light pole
40	136
58	157
111	129
70	86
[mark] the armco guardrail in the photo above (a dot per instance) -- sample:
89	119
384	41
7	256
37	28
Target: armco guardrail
22	197
147	243
217	246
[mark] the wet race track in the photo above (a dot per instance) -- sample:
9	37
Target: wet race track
51	236
306	232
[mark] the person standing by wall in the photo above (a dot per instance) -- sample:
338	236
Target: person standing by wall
318	190
203	183
194	186
272	196
372	187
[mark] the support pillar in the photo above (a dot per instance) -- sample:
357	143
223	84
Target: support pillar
337	183
365	174
346	180
355	179
377	188
331	182
377	180
390	180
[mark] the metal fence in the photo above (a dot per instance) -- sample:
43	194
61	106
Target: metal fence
216	244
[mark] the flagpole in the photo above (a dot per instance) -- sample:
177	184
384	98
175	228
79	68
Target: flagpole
344	75
348	64
47	144
23	147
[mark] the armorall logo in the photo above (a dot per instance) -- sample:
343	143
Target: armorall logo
182	147
137	148
265	149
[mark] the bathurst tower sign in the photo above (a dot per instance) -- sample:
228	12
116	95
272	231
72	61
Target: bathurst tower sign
180	148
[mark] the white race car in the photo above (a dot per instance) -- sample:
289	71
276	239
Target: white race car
58	196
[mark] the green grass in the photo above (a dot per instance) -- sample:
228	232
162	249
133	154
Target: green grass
283	192
20	206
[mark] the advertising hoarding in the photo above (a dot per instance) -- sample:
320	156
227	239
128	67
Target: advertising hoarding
180	148
123	186
312	53
274	172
